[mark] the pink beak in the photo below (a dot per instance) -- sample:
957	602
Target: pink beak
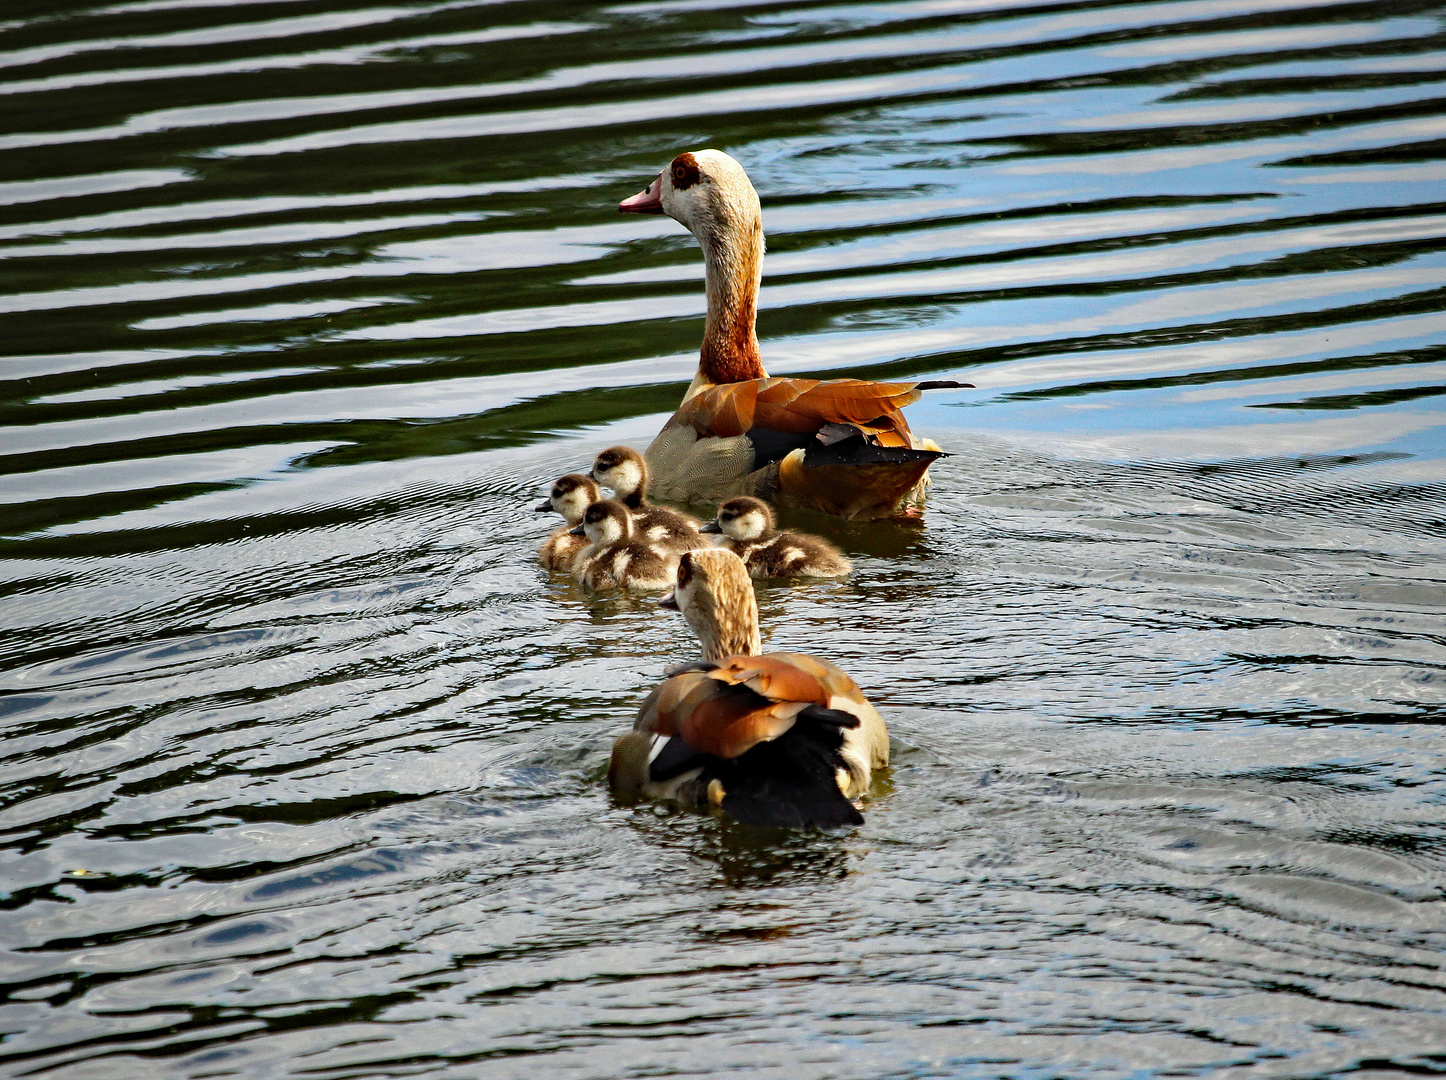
645	202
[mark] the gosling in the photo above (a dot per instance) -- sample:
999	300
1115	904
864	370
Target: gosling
752	535
571	496
623	469
616	557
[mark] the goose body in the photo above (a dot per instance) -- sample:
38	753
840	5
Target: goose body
781	739
624	470
841	446
615	557
571	495
749	532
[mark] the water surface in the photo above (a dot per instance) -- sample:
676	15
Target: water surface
303	305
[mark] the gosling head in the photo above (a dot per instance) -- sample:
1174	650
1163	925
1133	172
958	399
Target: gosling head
605	523
571	496
743	518
715	595
622	468
706	192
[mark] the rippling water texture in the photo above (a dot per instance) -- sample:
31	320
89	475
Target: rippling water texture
303	303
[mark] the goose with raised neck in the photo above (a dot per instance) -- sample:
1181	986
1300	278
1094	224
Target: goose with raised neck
841	446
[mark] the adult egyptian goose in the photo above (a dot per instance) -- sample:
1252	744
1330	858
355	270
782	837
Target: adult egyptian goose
752	534
840	446
623	469
571	495
615	557
777	739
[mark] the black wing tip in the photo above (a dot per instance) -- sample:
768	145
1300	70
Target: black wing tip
834	718
865	453
943	384
675	758
792	813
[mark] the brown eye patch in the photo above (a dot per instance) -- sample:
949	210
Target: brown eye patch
685	570
685	171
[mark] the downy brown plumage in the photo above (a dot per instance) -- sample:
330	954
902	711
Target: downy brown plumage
840	446
615	557
571	495
623	469
778	739
751	533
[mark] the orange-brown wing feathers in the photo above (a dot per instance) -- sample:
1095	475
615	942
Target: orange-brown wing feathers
871	406
773	677
800	406
740	702
721	411
835	683
729	725
672	700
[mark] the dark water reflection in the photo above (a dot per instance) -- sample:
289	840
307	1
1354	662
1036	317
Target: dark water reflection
303	765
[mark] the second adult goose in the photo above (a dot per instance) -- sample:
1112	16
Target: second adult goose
778	739
841	446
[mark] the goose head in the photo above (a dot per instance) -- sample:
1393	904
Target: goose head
743	518
571	496
715	595
622	468
605	522
705	191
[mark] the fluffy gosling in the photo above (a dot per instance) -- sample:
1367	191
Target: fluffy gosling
751	533
624	470
571	496
616	557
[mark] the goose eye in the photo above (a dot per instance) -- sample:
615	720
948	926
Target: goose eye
685	172
685	571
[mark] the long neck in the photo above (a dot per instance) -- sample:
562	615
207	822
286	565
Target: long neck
735	634
733	262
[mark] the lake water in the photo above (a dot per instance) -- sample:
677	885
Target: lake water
304	304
